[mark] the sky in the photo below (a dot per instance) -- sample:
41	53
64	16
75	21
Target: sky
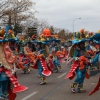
62	13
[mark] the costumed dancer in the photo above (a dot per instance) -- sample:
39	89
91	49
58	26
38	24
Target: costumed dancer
79	66
22	60
64	52
97	38
96	57
9	85
53	48
57	56
93	49
41	64
31	43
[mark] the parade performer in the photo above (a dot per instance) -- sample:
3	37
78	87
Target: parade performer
20	44
95	51
96	57
52	40
56	62
9	85
22	60
79	64
64	52
39	62
57	55
93	48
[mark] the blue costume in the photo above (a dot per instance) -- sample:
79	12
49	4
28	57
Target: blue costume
8	82
53	49
26	64
4	80
40	68
40	63
81	73
96	55
3	85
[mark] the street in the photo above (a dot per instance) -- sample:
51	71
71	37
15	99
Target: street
57	87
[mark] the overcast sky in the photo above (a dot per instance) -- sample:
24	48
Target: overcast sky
61	13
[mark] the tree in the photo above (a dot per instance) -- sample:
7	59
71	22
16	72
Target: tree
17	29
39	24
15	11
42	24
52	30
63	34
57	30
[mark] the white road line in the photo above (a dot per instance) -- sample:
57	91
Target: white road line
92	83
18	69
61	75
27	97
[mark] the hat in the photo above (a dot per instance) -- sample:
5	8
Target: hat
46	32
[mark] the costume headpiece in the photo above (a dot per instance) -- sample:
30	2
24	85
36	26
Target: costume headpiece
46	32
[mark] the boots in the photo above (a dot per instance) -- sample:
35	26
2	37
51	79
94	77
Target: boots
73	86
60	68
43	80
55	70
80	88
29	69
99	65
24	70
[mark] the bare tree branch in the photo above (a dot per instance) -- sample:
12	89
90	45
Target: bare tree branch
18	10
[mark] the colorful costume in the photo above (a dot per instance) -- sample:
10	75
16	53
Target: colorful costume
50	63
39	62
96	57
23	61
97	38
54	50
79	66
8	82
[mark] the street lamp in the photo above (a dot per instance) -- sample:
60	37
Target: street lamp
73	23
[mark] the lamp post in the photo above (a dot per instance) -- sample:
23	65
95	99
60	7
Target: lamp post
73	23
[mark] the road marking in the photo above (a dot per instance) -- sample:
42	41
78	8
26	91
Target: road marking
61	75
27	97
92	83
18	69
53	91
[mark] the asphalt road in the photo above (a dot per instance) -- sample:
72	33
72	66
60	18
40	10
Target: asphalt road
57	87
